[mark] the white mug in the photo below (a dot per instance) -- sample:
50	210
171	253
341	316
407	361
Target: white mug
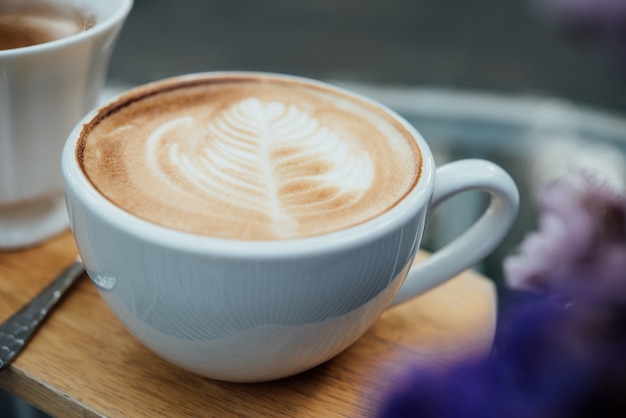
248	311
44	90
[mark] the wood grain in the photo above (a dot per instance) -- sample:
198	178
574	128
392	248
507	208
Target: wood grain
82	363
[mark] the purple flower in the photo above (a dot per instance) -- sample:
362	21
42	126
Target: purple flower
549	360
568	359
580	247
560	350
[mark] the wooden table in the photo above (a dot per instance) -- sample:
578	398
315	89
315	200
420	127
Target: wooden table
82	363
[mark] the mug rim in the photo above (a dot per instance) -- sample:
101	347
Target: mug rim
100	27
409	206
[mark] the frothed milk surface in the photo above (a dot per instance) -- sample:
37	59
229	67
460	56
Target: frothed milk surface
248	157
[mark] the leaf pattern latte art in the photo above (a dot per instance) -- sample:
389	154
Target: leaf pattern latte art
265	158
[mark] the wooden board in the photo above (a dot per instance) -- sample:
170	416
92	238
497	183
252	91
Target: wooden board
83	363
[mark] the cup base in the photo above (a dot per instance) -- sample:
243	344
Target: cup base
33	222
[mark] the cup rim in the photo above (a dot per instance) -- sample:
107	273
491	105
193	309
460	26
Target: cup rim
100	27
415	201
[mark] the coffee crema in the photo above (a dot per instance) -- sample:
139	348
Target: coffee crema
27	23
249	157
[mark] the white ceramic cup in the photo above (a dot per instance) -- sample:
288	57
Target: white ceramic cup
249	311
44	91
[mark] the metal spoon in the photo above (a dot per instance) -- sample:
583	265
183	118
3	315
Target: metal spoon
16	331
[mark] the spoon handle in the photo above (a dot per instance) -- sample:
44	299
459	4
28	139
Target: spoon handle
16	331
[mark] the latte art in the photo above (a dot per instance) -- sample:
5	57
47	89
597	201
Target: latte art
262	157
249	160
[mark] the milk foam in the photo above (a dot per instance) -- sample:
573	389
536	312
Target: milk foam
249	160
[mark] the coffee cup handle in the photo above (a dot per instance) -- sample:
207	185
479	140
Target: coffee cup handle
480	239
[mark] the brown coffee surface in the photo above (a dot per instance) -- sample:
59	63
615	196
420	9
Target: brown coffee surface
26	23
248	157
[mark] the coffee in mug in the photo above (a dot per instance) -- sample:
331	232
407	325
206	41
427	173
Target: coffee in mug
249	157
27	23
250	226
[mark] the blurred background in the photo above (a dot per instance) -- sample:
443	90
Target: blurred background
534	85
502	46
